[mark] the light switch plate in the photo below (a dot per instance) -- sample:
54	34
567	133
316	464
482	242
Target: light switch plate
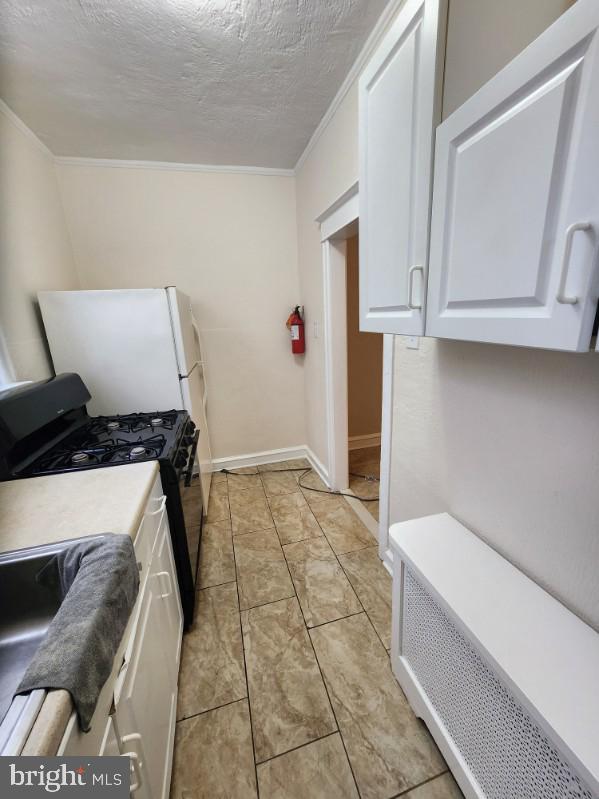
316	328
413	342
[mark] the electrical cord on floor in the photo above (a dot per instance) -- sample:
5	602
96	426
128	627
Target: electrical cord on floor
306	471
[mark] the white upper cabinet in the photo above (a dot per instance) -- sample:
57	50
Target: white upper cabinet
399	101
516	198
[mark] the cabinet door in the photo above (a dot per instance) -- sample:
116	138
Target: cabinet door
399	97
145	707
164	574
516	199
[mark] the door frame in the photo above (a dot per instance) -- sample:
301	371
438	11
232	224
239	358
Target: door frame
337	223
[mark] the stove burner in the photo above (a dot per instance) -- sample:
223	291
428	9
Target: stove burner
113	425
157	420
79	457
137	452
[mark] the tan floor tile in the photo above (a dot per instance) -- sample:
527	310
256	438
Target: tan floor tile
213	755
293	518
364	488
322	588
218	505
389	749
443	787
288	698
243	479
344	531
317	771
358	457
250	511
277	483
217	565
372	584
218	477
212	670
219	486
261	569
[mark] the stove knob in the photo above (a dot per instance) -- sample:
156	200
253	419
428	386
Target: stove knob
187	441
190	429
181	459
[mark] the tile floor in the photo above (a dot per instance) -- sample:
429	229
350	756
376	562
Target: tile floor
286	690
365	461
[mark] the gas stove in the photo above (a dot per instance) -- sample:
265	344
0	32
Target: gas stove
113	440
45	429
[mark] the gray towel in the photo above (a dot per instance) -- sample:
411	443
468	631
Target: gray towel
99	581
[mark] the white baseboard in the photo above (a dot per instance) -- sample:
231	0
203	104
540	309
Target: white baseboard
256	458
363	442
366	518
317	466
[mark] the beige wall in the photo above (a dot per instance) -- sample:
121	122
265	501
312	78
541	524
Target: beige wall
364	358
35	252
506	439
229	241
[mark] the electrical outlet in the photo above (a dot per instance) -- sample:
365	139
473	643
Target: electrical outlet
413	342
316	328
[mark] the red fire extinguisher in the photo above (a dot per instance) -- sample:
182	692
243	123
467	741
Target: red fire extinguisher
295	324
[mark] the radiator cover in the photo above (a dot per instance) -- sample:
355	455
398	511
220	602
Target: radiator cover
507	753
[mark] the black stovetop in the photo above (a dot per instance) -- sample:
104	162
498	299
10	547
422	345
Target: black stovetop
112	440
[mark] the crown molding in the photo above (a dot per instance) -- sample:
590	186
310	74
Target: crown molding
375	35
22	127
171	166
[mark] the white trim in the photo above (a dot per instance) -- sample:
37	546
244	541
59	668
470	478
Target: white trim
364	442
339	202
357	67
362	513
385	551
172	166
317	466
255	458
335	353
24	129
272	456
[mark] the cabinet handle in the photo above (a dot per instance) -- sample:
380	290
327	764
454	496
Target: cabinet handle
411	304
170	583
135	762
160	508
570	232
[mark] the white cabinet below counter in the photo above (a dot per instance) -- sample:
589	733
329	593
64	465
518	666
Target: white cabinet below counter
136	712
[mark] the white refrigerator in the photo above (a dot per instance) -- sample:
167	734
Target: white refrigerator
137	350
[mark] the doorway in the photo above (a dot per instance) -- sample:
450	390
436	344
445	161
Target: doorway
364	391
338	225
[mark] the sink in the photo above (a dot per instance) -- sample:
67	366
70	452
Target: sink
26	609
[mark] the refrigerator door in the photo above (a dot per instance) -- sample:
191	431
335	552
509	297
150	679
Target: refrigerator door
187	344
120	342
193	394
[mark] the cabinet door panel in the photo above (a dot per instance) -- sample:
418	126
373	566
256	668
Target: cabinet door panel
515	167
398	109
145	710
163	572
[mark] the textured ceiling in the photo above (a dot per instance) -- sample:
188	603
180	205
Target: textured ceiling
241	82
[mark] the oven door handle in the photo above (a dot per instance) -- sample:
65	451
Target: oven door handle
192	458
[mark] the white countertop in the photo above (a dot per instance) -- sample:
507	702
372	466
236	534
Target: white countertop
42	510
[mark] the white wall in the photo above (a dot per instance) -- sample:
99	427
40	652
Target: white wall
229	241
506	439
35	251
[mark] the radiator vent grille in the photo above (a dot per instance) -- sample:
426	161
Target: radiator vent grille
508	754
